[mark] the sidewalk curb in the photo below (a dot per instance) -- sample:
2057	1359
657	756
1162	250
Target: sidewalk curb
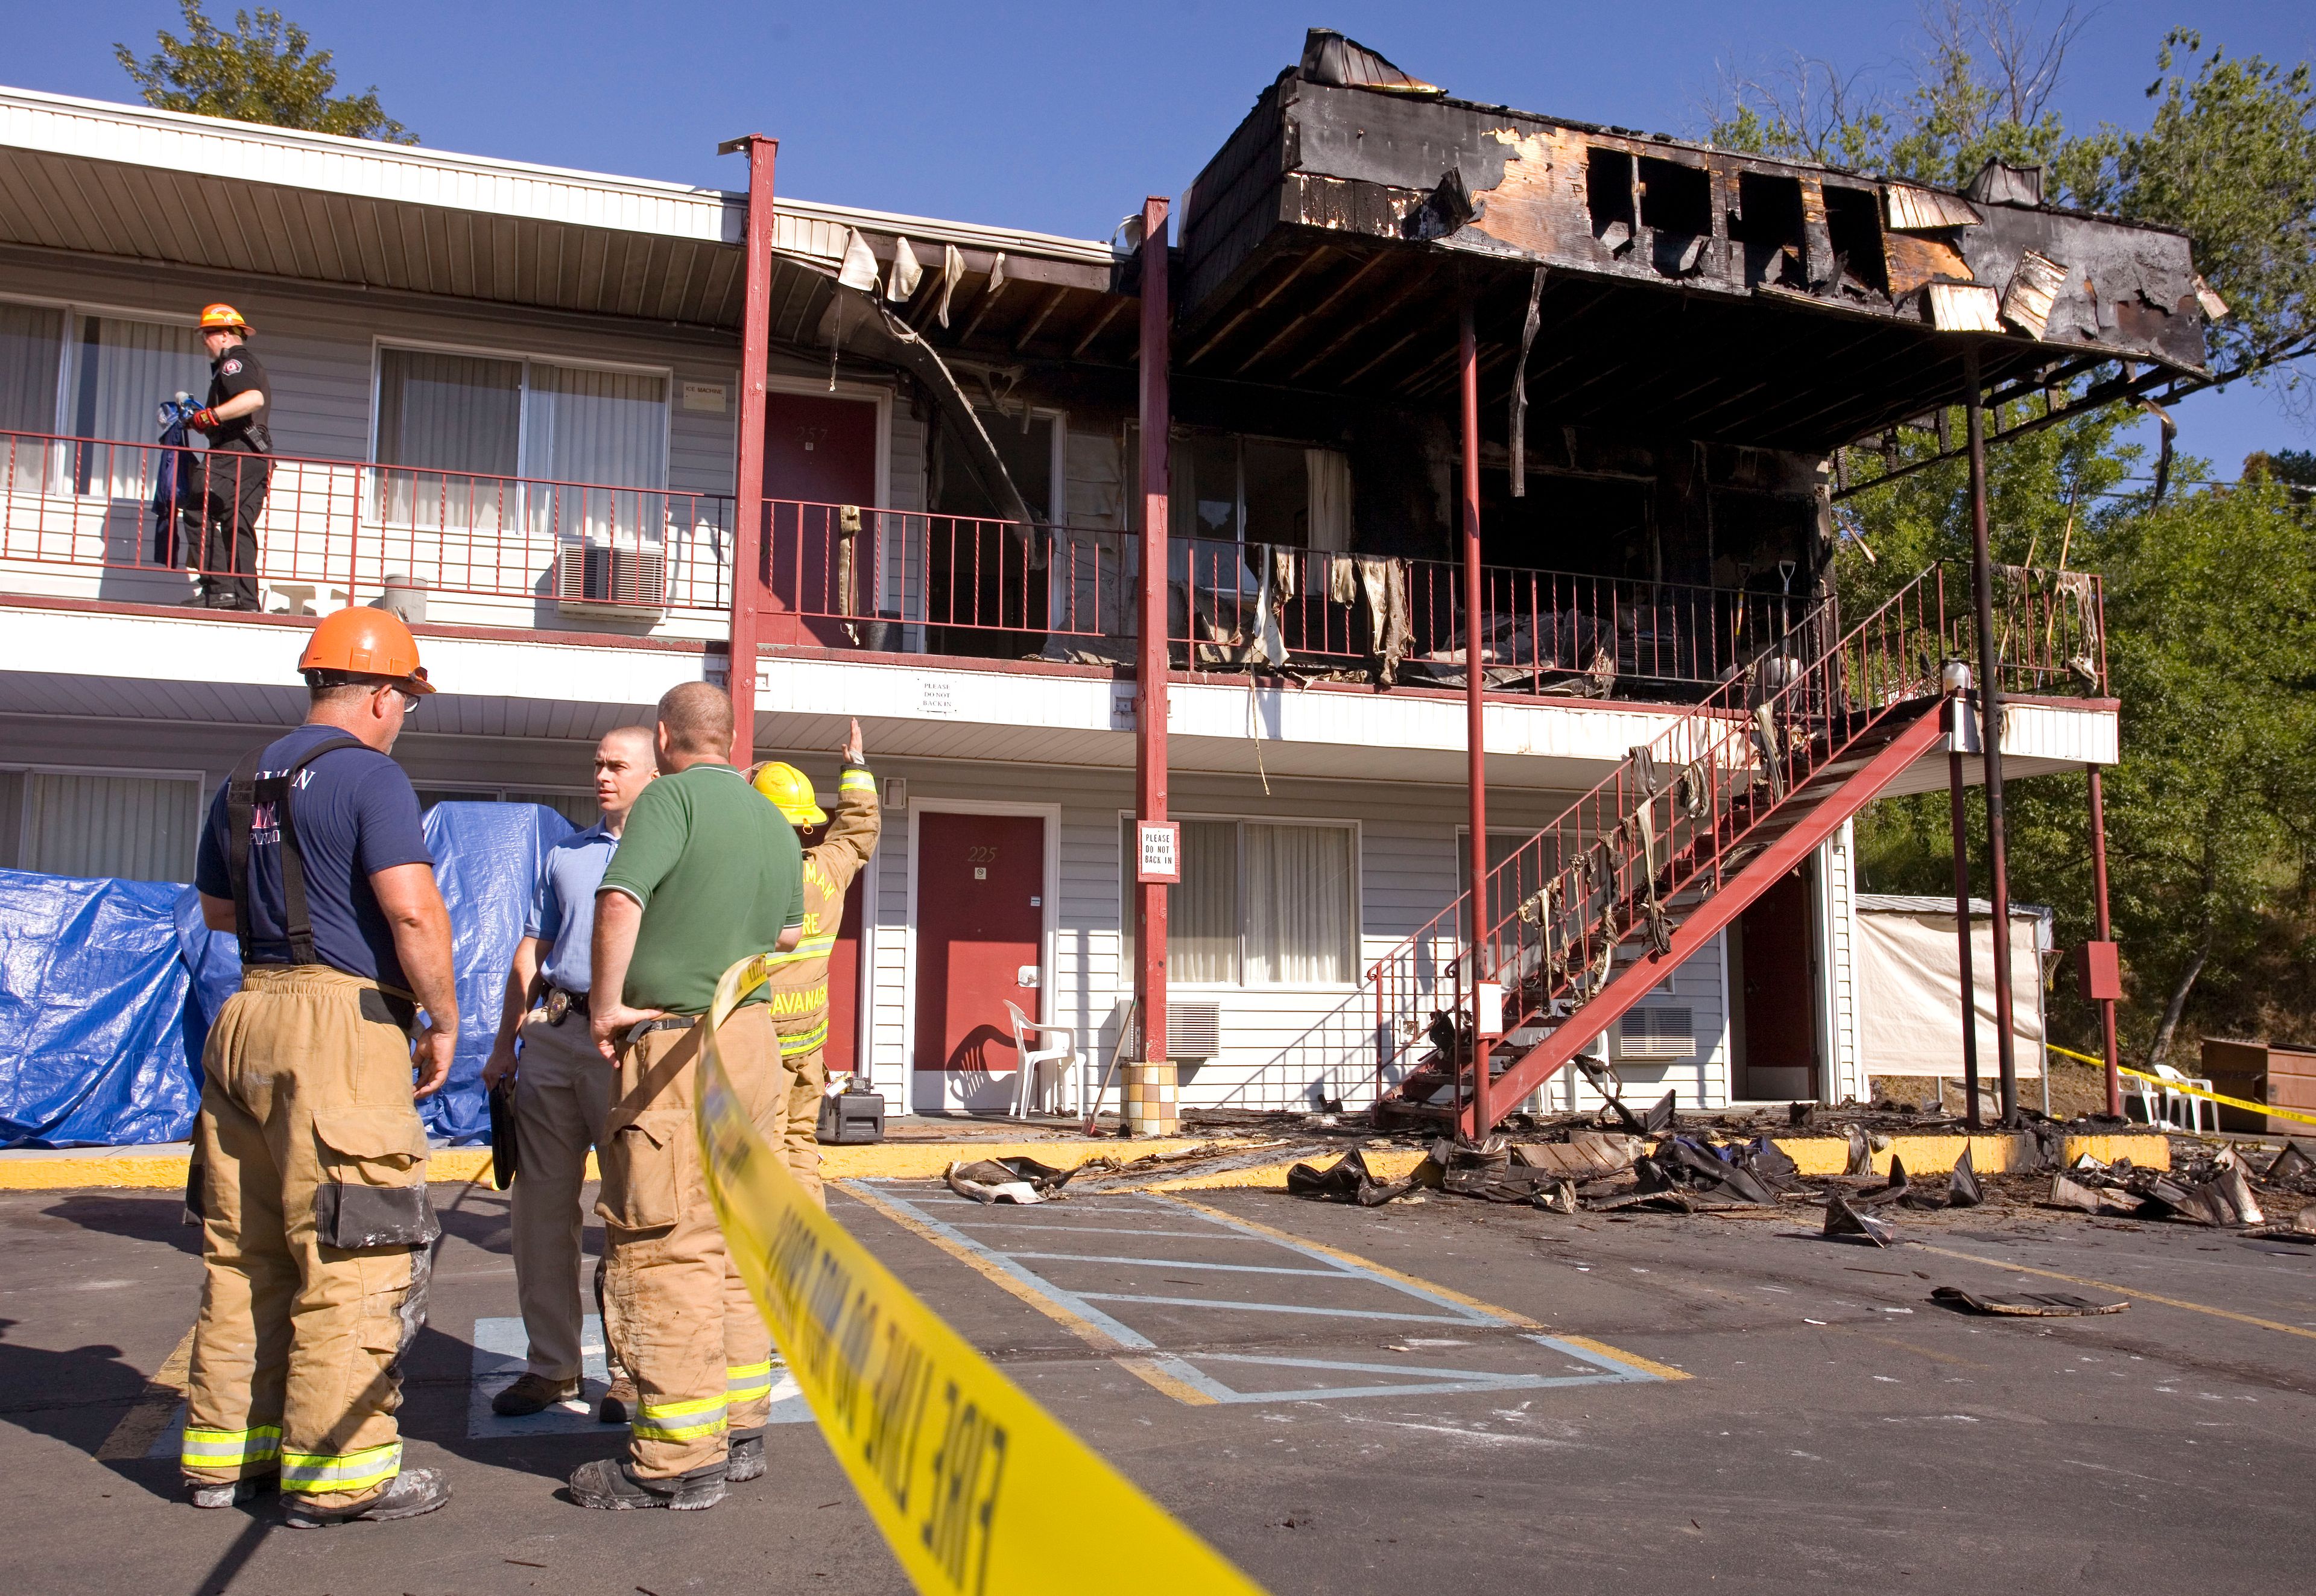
164	1168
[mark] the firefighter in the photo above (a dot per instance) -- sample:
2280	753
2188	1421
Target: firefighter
310	1157
231	478
705	876
800	980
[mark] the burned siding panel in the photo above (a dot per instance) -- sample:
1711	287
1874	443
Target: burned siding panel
2127	288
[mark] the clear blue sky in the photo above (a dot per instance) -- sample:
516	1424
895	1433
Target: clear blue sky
1061	117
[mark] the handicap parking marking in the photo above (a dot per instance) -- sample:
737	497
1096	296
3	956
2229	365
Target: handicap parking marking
1181	1376
500	1348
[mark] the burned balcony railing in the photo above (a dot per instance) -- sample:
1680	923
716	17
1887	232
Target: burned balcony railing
333	530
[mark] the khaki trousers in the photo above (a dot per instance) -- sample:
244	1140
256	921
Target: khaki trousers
804	1043
561	1092
314	1238
676	1309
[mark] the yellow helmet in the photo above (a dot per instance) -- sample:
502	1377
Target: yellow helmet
789	790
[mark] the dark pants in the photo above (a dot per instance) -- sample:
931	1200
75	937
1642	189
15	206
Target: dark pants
232	498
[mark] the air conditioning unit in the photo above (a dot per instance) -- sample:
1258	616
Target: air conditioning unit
625	579
1656	1033
1193	1030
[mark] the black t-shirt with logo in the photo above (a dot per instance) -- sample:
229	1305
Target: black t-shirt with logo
238	371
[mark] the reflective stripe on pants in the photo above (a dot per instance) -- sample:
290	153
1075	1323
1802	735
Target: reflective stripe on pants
230	1448
320	1474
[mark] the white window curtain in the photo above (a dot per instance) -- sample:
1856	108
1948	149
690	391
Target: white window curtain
32	345
587	426
1327	474
139	828
455	423
122	372
1258	905
1298	904
32	349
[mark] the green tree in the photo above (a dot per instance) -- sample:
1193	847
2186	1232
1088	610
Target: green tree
263	71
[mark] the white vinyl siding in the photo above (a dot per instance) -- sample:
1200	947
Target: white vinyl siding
141	828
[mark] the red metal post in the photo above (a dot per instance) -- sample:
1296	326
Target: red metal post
748	510
1474	714
1954	785
1989	704
2104	932
1151	671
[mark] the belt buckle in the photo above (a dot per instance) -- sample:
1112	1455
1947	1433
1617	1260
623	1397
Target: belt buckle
558	1003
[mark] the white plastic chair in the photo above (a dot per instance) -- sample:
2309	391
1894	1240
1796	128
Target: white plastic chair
1062	1062
2173	1101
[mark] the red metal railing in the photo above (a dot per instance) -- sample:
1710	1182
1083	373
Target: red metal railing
343	527
982	585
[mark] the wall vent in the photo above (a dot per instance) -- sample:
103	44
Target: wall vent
1656	1033
1194	1031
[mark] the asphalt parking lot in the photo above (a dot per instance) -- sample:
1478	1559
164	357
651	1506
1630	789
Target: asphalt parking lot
1339	1399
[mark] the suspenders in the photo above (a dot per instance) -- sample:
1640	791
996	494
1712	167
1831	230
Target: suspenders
243	794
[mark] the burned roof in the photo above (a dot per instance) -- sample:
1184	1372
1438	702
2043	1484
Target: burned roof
1701	292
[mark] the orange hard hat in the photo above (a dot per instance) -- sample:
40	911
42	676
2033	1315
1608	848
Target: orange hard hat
224	316
364	642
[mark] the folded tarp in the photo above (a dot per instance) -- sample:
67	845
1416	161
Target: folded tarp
98	1044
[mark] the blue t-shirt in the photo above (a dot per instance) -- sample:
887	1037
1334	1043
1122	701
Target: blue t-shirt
563	906
356	815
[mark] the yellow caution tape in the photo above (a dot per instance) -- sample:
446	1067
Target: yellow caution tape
975	1487
2182	1086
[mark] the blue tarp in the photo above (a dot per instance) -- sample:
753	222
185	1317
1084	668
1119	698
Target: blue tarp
486	861
98	1046
108	988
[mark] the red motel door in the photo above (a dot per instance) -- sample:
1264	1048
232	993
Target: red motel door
979	923
820	453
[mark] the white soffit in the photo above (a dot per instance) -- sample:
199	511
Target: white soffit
359	168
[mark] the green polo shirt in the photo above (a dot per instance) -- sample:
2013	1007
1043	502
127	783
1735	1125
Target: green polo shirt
718	873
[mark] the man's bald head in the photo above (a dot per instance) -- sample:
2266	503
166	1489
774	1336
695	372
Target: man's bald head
630	742
694	723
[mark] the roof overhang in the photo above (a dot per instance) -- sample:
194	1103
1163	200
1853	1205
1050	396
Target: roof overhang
1687	291
93	178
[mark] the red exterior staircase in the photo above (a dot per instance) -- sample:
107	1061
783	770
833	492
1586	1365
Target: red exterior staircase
1594	910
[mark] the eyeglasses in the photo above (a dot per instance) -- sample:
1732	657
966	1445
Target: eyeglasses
410	700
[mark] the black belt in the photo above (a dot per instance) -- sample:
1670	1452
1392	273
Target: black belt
560	1001
643	1029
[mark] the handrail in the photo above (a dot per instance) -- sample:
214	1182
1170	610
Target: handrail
1677	813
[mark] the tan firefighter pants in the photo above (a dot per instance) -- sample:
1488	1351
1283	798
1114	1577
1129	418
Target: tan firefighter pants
678	1312
562	1093
314	1238
804	1053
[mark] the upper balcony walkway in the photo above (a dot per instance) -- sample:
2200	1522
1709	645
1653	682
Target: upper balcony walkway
942	623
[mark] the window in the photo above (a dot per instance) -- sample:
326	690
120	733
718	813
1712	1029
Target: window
1249	490
1259	904
463	426
114	374
137	828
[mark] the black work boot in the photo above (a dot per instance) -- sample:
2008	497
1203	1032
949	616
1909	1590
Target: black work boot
230	1493
411	1492
611	1483
746	1460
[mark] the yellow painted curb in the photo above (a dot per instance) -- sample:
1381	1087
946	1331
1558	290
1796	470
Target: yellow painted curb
924	1160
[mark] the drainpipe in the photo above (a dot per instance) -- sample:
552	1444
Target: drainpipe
2104	932
1151	671
1989	704
748	508
1474	726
